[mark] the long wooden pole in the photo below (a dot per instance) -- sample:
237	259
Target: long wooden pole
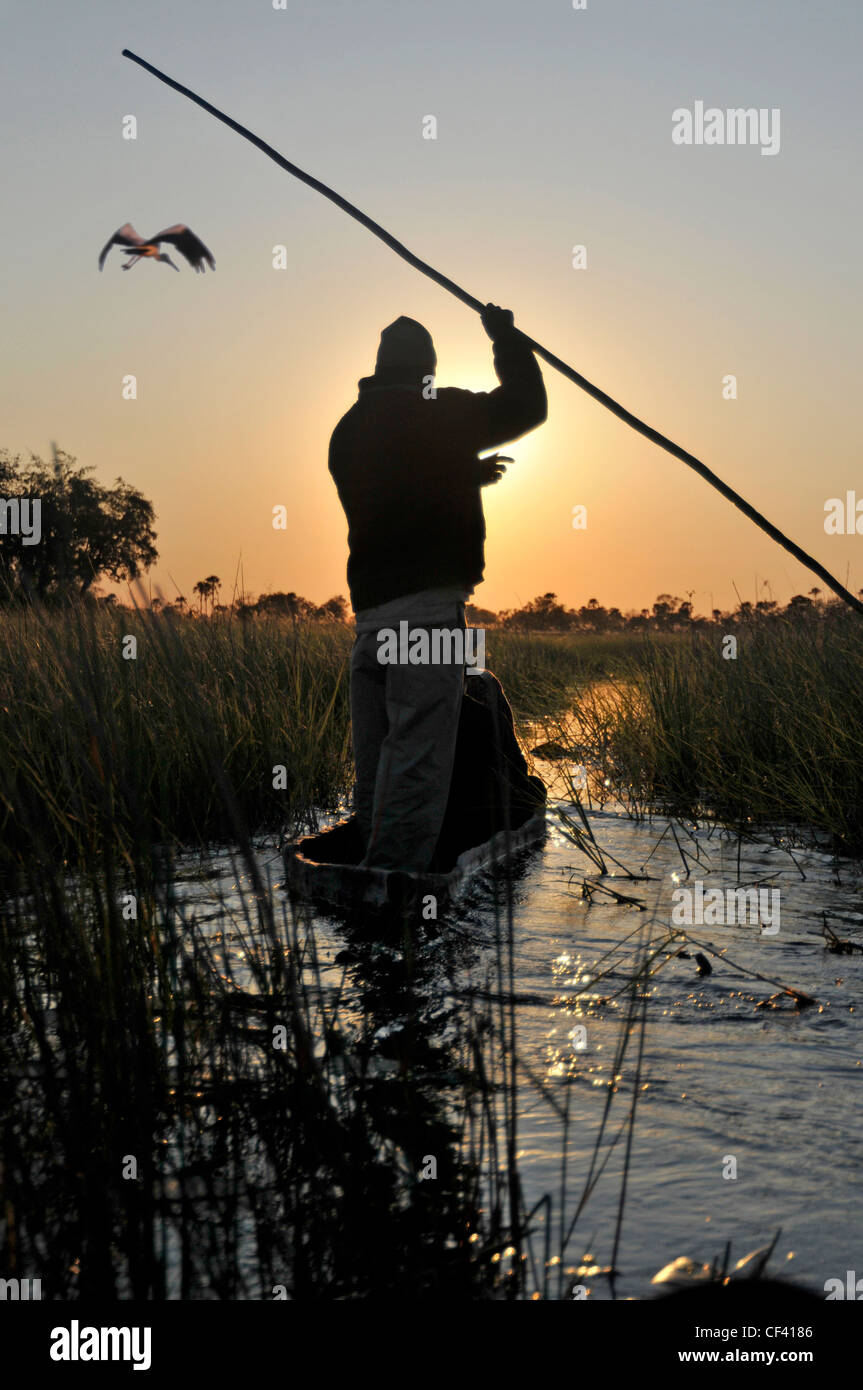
473	303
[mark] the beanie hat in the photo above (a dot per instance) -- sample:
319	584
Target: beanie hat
406	343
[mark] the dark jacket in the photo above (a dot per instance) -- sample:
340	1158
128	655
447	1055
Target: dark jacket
407	474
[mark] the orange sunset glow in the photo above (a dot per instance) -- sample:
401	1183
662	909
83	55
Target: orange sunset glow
700	262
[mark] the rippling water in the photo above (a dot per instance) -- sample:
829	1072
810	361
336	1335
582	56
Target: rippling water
774	1088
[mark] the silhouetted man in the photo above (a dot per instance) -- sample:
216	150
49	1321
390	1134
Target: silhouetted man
404	460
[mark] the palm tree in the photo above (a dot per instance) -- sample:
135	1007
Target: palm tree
206	589
215	584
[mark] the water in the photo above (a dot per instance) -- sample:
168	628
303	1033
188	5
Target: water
775	1089
770	1094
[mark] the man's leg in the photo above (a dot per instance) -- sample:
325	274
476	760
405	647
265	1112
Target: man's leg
423	704
368	724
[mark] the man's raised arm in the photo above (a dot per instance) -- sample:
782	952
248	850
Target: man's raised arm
519	404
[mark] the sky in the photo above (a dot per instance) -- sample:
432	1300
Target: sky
554	130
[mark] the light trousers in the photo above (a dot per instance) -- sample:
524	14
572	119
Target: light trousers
404	722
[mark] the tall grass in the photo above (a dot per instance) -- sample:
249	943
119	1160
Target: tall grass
774	735
98	741
226	722
156	1142
187	1110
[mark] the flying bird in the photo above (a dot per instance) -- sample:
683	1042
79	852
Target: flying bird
136	247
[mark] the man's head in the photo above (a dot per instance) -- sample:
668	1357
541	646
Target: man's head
406	350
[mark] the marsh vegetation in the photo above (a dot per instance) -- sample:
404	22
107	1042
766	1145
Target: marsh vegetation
195	1108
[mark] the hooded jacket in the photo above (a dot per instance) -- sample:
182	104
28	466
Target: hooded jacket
406	466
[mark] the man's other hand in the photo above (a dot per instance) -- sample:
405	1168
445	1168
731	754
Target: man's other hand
491	469
496	321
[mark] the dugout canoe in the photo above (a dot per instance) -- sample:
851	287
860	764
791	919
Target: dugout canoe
323	868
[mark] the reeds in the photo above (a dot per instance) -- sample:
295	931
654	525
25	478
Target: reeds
191	1109
98	742
155	1141
773	736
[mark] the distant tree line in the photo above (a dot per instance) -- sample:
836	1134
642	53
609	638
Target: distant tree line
290	605
668	614
546	614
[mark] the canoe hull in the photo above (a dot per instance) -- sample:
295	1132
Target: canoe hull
349	887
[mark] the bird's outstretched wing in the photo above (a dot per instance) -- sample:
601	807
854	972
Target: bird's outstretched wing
188	245
124	236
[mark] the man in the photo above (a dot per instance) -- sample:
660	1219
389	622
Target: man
404	460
